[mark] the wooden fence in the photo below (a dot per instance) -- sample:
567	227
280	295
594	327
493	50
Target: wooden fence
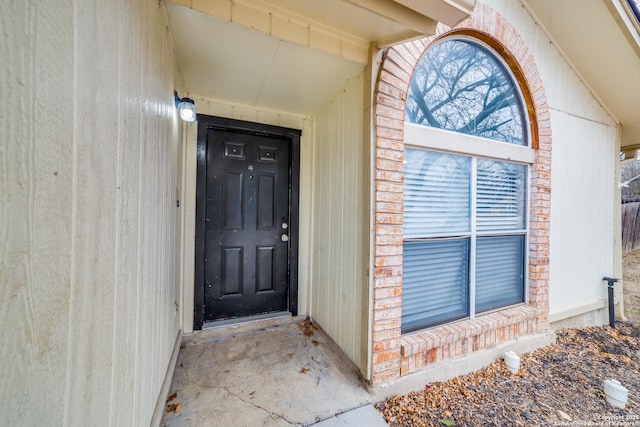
630	223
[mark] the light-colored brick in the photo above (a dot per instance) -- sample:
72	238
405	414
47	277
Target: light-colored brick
387	229
388	271
389	218
386	325
389	107
389	207
388	250
381	304
391	91
389	197
387	133
395	155
389	165
388	240
382	377
390	123
398	72
389	176
386	335
384	356
390	365
382	293
392	344
387	282
387	314
388	77
389	143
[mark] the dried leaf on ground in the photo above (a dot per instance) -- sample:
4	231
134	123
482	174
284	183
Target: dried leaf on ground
307	327
174	407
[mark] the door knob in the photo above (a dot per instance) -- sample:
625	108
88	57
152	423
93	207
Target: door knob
284	238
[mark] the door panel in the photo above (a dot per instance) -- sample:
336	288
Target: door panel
246	202
232	201
266	205
266	269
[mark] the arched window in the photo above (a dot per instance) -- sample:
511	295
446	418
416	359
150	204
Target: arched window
461	86
465	186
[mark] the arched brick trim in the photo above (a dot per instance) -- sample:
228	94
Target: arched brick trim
393	354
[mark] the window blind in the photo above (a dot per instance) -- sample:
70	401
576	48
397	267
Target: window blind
435	282
500	196
499	271
441	245
436	193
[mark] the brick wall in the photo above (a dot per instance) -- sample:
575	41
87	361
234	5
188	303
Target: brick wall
394	354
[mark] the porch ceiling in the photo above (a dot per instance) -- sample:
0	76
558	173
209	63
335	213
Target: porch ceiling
603	43
290	55
222	60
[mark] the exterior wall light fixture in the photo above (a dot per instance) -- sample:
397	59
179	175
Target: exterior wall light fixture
186	108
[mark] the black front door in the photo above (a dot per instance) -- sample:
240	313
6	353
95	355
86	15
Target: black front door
244	201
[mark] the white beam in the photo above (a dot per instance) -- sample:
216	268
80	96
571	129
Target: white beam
449	12
400	14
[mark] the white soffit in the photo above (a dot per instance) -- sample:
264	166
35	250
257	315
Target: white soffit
225	61
600	48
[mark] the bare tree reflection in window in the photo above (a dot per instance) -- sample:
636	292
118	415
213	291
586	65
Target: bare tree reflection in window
460	86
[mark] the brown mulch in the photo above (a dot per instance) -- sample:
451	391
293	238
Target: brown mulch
561	384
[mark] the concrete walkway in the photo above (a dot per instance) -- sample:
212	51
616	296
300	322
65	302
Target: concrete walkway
276	372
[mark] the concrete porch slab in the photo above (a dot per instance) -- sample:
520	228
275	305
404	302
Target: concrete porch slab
364	416
273	372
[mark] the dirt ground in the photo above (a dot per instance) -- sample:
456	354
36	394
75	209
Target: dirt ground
561	384
631	279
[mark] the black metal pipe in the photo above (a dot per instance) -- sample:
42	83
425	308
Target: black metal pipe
610	281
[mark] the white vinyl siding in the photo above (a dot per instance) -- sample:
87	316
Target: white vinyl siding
336	253
90	256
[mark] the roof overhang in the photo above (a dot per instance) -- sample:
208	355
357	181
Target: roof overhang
292	55
601	39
